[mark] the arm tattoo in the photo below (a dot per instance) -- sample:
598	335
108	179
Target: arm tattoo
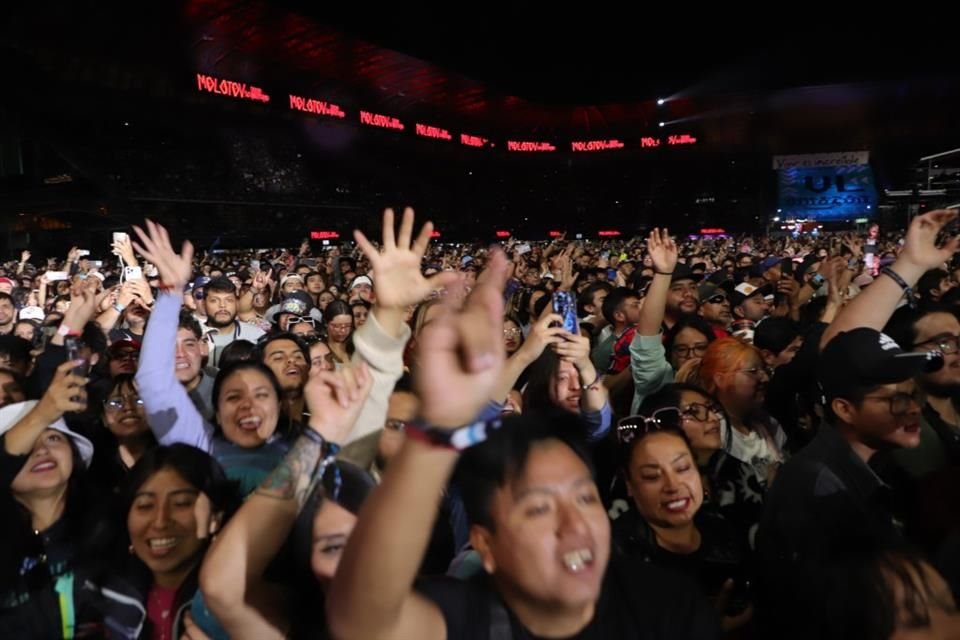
294	477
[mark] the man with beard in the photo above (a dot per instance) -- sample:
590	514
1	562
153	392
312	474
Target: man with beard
222	326
683	296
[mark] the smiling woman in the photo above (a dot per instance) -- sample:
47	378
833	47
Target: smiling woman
175	499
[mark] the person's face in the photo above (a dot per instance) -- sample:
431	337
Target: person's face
221	308
6	311
689	344
286	360
773	273
362	291
627	268
60	306
745	262
292	285
401	409
682	297
932	329
315	284
875	423
598	298
511	336
325	299
10	391
302	329
565	387
874	231
470	278
248	408
945	285
236	282
788	354
743	388
190	353
754	308
332	526
531	277
936	599
24	330
664	481
318	358
48	466
359	315
123	360
163	526
704	435
550	541
338	329
123	412
631	311
716	309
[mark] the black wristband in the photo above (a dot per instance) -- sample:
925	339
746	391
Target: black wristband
907	289
663	273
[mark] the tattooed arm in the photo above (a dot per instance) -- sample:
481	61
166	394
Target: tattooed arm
232	575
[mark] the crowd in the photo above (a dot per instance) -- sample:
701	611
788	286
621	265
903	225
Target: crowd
750	437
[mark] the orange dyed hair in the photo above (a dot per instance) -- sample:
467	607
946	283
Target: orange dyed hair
723	356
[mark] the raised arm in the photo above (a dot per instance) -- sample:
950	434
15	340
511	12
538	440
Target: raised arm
663	252
399	283
460	356
232	573
171	414
874	306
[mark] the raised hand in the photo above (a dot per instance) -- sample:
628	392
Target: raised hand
335	399
67	392
542	334
123	249
460	353
141	290
396	268
83	303
261	279
920	246
662	250
175	269
24	256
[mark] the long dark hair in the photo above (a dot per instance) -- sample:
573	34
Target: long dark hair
83	529
195	466
536	395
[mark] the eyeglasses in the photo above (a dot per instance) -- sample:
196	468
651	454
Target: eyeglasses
116	404
719	298
946	344
301	319
757	372
511	333
683	350
633	427
395	425
900	402
340	327
702	412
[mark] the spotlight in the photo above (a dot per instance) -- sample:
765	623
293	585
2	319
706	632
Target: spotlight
660	102
663	124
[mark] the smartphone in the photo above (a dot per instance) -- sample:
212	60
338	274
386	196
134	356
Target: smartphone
120	236
522	249
73	346
132	273
255	265
54	276
97	264
817	280
83	252
786	268
565	306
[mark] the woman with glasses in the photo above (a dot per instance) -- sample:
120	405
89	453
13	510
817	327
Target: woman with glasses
735	372
126	436
670	524
512	334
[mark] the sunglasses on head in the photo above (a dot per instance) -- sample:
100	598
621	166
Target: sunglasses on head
631	427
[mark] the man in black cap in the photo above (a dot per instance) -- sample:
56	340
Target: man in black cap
749	302
827	494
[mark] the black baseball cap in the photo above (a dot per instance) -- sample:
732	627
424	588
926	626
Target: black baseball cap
867	358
